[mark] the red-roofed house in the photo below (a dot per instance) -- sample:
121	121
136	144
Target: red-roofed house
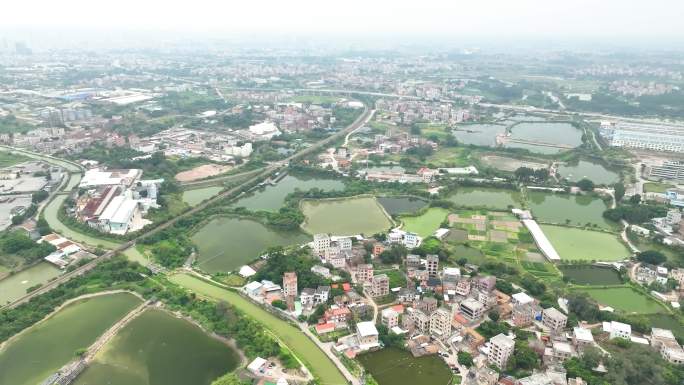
325	328
338	315
427	174
398	308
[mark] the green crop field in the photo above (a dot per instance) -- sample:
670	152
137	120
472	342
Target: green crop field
624	299
426	223
579	244
656	187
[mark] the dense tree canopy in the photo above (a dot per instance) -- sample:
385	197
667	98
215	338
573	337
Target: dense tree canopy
651	256
585	185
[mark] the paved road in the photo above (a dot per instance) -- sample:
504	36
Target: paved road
360	121
325	347
623	223
346	138
374	305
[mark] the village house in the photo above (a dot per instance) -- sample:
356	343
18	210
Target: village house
379	285
554	320
367	335
472	309
582	338
389	317
500	350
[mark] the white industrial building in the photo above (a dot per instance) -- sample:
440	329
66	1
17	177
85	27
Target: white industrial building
669	170
123	214
97	177
658	137
264	131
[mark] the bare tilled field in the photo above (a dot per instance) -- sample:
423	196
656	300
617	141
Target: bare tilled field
201	172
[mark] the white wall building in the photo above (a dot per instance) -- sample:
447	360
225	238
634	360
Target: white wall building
617	330
500	350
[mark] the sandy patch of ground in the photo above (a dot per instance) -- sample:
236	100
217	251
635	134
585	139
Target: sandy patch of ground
498	236
201	172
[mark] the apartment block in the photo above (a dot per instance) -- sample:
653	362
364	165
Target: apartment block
554	319
290	284
440	323
500	350
472	309
432	265
380	285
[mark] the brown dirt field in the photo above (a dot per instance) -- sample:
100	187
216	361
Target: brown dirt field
201	172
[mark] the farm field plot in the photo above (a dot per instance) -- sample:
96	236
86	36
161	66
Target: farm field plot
624	299
657	187
578	244
542	270
426	223
201	172
485	197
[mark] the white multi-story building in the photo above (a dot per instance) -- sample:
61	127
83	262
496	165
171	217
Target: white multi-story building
344	243
582	337
670	170
390	317
618	330
322	294
667	345
421	321
440	323
308	297
554	319
321	243
658	137
500	350
674	216
411	240
521	299
472	309
367	335
321	270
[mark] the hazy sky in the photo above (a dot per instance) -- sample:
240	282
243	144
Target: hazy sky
506	18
